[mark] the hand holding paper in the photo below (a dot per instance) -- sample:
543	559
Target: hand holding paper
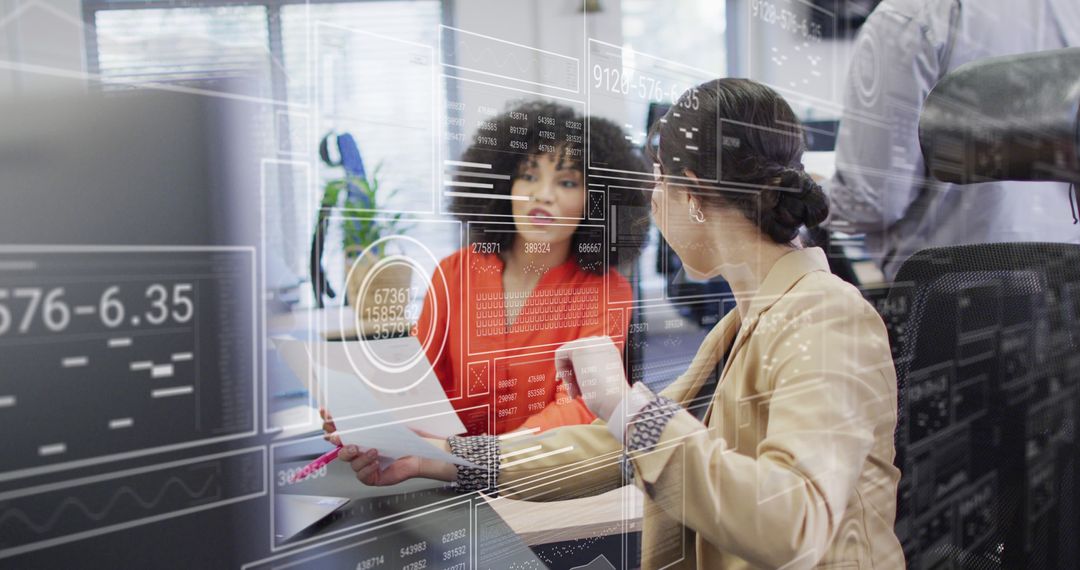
362	422
423	407
369	469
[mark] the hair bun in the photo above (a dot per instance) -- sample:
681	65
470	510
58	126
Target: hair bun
814	199
755	162
800	201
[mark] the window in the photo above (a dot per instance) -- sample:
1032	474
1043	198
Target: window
690	32
372	77
190	46
269	49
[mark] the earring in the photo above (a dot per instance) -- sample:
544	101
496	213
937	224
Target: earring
695	213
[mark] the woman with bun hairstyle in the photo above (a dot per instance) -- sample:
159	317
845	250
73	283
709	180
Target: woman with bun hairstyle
790	463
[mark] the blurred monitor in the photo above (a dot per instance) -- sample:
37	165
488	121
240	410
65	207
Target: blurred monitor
137	167
128	336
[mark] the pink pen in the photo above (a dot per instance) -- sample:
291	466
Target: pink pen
317	464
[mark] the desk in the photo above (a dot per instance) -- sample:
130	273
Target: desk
508	532
615	512
407	520
504	538
596	532
400	515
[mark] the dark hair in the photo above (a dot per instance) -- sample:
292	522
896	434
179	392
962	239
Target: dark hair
759	142
607	144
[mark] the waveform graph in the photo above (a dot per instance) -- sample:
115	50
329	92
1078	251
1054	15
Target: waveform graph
47	515
117	352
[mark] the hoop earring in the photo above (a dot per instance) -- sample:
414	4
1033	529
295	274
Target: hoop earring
696	214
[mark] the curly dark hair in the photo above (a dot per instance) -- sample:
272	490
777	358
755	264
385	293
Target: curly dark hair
559	130
759	142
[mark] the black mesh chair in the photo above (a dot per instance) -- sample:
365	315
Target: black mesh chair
985	341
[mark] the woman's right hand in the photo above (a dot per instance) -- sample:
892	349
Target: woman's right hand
365	464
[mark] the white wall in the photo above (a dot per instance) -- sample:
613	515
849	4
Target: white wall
37	34
49	34
556	26
552	25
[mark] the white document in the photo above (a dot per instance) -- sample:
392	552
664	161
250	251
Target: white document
365	423
296	421
422	406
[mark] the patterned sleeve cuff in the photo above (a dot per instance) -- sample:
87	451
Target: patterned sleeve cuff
646	431
632	402
482	450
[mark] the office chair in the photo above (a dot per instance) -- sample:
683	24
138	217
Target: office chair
985	356
1005	118
985	337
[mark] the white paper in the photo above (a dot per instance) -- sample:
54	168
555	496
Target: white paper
296	421
365	423
423	406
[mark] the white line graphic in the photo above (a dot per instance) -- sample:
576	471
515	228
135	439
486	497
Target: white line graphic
170	392
75	361
483	195
120	423
52	449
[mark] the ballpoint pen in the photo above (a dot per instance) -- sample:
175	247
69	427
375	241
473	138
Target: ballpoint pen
314	465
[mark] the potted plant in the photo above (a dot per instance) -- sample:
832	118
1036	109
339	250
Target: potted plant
356	194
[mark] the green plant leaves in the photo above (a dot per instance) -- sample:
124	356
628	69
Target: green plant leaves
361	228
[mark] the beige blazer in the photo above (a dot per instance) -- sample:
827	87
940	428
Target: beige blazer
793	465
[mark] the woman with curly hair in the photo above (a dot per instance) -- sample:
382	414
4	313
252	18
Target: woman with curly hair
534	273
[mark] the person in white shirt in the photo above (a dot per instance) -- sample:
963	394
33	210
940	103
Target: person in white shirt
881	187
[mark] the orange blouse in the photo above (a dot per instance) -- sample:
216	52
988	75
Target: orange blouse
512	370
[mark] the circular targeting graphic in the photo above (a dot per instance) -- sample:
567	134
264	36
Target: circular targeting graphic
866	73
386	293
